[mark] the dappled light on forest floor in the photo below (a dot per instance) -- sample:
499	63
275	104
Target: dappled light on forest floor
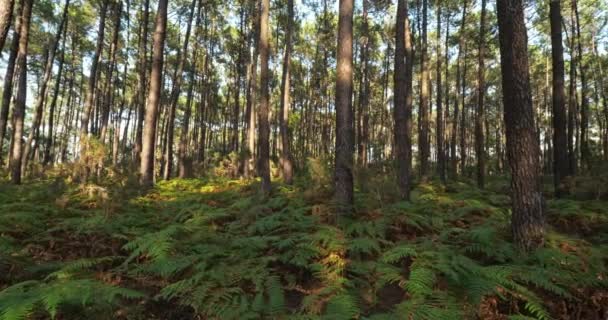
214	249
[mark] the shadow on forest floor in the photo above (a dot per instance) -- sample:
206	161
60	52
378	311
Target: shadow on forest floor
212	248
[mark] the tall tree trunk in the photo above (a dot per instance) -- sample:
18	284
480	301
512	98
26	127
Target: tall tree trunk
440	128
572	101
7	89
19	109
344	112
364	91
560	139
264	127
251	95
149	134
402	78
92	84
286	162
108	95
49	136
6	16
43	91
177	83
480	151
141	80
455	119
522	146
584	130
423	135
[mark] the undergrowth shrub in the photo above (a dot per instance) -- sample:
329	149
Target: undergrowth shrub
212	249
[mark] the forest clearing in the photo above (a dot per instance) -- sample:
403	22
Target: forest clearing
303	159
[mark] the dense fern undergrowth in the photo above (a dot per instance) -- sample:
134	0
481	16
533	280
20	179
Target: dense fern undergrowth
212	249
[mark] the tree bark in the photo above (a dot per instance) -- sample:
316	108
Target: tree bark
9	79
440	128
90	98
527	220
149	133
264	126
141	81
584	129
43	91
480	151
49	136
344	112
455	119
177	83
364	91
20	99
6	16
286	162
423	135
402	78
560	139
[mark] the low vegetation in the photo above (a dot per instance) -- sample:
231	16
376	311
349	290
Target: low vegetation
211	248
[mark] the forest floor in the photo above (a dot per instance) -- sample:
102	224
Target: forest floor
213	249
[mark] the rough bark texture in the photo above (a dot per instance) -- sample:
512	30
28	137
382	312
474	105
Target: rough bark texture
480	151
286	162
264	126
402	78
344	112
560	139
19	109
6	16
522	146
149	131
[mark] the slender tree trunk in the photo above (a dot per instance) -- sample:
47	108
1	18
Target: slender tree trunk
584	129
480	151
264	127
364	91
149	133
286	162
6	16
455	119
522	146
43	91
572	101
91	92
344	111
440	128
141	81
402	78
560	144
251	97
49	136
175	96
108	96
423	136
20	99
7	89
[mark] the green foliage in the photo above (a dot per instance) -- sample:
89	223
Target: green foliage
212	249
